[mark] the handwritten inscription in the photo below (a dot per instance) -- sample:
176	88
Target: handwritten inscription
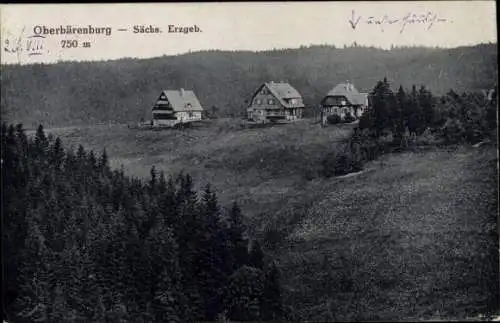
31	45
428	20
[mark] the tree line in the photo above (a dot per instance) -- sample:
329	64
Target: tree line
125	90
85	243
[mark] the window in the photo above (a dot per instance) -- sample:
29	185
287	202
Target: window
346	110
343	102
258	101
163	116
270	101
190	114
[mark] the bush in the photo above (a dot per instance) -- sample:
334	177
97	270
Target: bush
426	138
453	131
229	125
349	118
333	119
346	164
341	164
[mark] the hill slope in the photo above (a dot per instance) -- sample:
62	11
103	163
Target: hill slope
124	90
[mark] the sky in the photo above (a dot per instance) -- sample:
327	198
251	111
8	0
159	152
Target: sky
236	26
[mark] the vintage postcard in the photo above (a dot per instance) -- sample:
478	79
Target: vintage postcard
250	161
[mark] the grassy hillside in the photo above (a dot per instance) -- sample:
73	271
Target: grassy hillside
413	236
259	167
124	90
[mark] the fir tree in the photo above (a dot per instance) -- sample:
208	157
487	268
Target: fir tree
272	304
256	256
245	293
239	246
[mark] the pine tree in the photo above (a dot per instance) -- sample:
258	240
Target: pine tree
382	105
152	180
413	112
213	256
256	256
103	161
245	294
426	104
239	246
41	141
162	184
92	162
272	304
401	102
81	154
57	154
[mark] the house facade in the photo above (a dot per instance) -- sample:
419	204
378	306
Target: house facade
344	100
176	106
275	101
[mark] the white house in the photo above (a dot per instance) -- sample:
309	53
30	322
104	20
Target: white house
176	106
343	100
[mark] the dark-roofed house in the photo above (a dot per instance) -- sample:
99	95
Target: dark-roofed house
275	101
176	106
344	100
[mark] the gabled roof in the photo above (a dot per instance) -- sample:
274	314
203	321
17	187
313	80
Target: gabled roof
350	92
283	91
180	99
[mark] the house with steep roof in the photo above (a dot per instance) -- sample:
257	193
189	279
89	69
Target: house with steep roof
344	100
275	101
176	106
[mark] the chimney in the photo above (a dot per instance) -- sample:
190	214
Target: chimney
181	92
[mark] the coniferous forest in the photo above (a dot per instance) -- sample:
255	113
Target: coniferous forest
85	243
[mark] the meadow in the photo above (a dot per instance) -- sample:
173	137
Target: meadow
413	236
257	166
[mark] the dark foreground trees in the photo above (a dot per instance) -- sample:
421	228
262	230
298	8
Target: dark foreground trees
85	243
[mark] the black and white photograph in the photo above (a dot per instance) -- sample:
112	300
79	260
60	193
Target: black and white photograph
249	162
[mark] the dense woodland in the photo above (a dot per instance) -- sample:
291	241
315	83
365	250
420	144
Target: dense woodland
85	243
69	93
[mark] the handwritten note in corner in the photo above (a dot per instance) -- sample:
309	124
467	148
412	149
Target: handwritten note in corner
427	20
